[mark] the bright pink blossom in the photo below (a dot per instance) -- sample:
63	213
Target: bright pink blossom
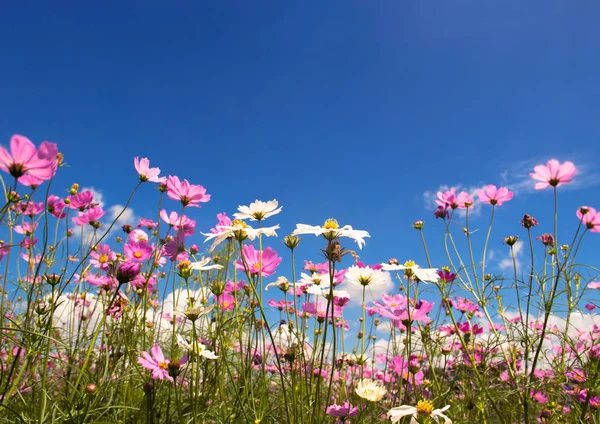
175	249
155	362
56	206
493	195
553	174
223	221
270	261
91	216
81	200
24	160
188	194
102	257
142	166
138	251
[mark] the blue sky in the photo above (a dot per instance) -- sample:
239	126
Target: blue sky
348	109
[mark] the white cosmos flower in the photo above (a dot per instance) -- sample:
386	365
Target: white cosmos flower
202	265
427	275
424	408
258	210
371	390
364	276
236	229
200	348
332	230
282	282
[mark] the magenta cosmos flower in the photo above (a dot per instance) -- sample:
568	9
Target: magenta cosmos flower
270	261
188	194
158	364
30	165
138	251
449	199
142	166
493	195
553	174
102	257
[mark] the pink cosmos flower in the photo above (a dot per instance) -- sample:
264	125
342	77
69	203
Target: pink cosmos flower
102	257
223	221
56	206
148	223
175	249
590	218
270	261
493	195
155	362
27	228
31	208
590	306
188	194
183	223
91	216
138	236
594	285
342	411
226	301
142	166
81	200
553	174
137	251
449	199
24	160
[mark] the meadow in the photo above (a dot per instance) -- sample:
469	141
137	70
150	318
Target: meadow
103	323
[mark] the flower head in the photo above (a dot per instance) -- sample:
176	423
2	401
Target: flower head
590	218
188	194
258	210
493	195
29	165
553	174
253	264
449	199
142	166
424	408
365	276
331	230
426	275
371	390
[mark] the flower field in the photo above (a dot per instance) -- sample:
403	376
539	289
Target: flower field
107	323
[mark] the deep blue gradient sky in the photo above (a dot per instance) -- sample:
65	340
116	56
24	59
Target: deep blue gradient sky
350	109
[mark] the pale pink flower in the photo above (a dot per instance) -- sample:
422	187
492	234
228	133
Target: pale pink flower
188	194
142	166
81	200
553	174
590	218
594	285
24	160
449	199
493	195
183	223
175	249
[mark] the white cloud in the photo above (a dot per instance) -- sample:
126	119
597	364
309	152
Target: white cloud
112	212
507	263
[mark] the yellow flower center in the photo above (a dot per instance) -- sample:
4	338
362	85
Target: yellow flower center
331	224
103	259
424	407
137	255
163	365
239	222
409	263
